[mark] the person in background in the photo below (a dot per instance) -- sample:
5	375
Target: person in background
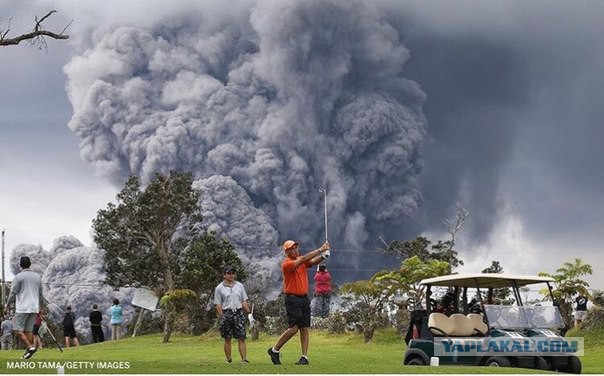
230	299
26	294
6	334
297	305
95	324
69	331
581	309
36	331
322	290
116	314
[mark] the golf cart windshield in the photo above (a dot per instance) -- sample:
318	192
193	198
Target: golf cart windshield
523	317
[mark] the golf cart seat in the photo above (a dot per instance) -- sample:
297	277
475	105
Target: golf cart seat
440	325
463	327
478	323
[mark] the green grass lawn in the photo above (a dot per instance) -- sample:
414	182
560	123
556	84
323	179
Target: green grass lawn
185	354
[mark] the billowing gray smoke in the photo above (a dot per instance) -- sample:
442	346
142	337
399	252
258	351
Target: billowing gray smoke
73	275
264	109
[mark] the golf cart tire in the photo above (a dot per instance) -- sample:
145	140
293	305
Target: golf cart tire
415	361
542	364
498	361
572	366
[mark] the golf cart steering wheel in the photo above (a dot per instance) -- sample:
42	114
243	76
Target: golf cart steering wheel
433	304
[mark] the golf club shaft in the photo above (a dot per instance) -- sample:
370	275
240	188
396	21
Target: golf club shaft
51	335
325	205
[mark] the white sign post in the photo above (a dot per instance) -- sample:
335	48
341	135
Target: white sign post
146	300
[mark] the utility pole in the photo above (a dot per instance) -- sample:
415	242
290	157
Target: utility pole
3	277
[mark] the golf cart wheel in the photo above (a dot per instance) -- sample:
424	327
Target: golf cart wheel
572	366
541	363
416	361
497	361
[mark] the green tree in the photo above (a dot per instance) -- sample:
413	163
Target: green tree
369	299
152	237
406	279
139	234
568	283
442	250
422	248
202	269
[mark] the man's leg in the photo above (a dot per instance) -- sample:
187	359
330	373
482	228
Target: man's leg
239	333
30	336
242	349
304	332
19	334
304	340
67	341
323	307
227	348
286	336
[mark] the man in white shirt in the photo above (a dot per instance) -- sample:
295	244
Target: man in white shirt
230	299
26	295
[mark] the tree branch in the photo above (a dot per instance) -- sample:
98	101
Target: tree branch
452	229
36	36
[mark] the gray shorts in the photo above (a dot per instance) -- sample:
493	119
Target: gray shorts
24	322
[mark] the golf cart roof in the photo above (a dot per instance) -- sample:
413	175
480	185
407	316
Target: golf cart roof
485	280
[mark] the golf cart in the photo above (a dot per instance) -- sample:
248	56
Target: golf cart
480	333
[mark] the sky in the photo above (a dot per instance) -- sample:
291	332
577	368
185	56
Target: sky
402	109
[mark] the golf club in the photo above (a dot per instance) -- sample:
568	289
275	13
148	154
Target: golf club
326	253
325	202
51	335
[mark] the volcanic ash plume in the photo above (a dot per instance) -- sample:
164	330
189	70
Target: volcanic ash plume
264	109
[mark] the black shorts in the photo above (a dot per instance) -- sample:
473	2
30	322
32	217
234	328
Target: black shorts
232	324
36	329
298	311
69	331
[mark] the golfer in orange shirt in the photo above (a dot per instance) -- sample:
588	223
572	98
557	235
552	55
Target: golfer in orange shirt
297	304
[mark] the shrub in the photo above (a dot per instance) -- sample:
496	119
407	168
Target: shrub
334	324
594	318
598	297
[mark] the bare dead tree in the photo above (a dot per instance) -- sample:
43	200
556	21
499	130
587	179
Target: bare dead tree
36	37
453	228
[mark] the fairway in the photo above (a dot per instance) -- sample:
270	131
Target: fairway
329	354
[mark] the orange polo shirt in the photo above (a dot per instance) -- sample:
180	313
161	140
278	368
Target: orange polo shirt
295	280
